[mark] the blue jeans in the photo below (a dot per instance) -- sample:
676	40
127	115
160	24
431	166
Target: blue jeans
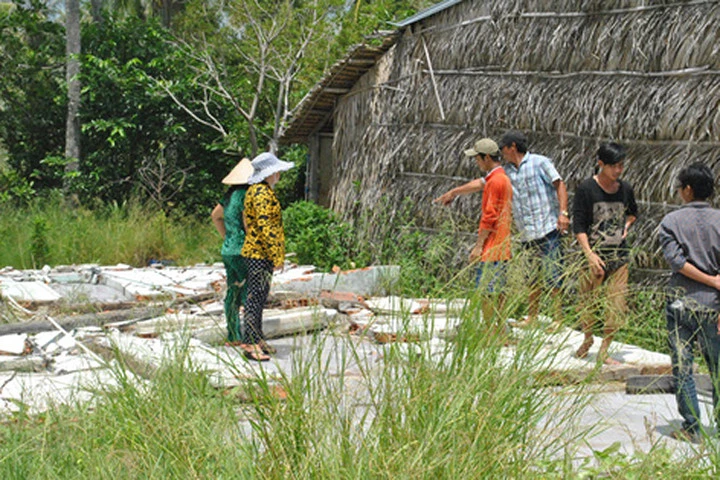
491	275
546	259
685	326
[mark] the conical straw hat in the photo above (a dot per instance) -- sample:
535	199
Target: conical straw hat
240	174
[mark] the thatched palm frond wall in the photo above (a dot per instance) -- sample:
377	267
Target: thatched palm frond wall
570	74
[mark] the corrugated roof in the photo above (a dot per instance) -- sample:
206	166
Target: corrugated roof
428	12
314	112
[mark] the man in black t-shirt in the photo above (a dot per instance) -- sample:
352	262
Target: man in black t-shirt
604	208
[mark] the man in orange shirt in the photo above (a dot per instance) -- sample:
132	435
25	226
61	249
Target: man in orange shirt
492	249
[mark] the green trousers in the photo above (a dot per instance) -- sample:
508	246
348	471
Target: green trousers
236	273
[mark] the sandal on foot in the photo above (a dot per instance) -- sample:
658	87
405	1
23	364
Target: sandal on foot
254	352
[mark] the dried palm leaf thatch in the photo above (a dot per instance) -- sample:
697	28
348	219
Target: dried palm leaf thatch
570	74
567	40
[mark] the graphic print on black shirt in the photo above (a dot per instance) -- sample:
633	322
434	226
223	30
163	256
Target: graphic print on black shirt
608	224
602	215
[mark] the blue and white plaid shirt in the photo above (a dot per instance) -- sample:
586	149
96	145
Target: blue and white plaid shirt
535	203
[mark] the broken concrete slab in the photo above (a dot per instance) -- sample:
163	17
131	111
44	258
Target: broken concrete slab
419	327
301	320
293	273
36	392
43	340
276	323
455	306
557	356
65	363
79	293
28	293
396	305
209	308
13	344
171	322
31	363
651	384
335	299
84	320
365	282
225	367
147	283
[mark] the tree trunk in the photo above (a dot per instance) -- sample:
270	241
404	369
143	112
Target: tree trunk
72	71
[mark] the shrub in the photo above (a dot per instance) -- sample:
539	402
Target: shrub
318	237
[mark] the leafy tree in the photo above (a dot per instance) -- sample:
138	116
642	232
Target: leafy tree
165	10
137	139
165	115
32	103
249	55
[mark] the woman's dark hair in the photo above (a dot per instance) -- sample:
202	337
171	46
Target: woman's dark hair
700	178
611	153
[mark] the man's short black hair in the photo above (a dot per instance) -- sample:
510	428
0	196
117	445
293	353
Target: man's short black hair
700	178
611	153
516	137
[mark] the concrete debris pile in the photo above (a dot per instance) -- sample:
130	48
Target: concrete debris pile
49	359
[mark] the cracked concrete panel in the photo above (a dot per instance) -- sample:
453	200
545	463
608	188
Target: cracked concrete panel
13	344
172	322
28	292
276	323
225	367
366	281
40	391
77	293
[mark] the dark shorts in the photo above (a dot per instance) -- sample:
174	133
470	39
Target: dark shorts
545	259
614	259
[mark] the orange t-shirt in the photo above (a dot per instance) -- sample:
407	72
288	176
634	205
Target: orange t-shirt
496	216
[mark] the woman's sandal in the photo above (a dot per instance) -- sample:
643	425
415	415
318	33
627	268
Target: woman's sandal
254	352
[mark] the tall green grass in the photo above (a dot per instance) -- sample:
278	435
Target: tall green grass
48	232
464	410
461	412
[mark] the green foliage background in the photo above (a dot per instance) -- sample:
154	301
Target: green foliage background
137	140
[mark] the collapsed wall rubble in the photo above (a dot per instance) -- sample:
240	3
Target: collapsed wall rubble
180	317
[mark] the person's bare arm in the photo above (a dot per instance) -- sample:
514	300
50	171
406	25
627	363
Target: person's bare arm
629	220
218	219
476	252
473	186
563	222
694	273
597	266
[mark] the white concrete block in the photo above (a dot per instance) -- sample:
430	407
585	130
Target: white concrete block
68	363
365	281
28	292
277	323
396	305
13	344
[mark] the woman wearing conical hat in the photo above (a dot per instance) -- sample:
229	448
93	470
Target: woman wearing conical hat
227	216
